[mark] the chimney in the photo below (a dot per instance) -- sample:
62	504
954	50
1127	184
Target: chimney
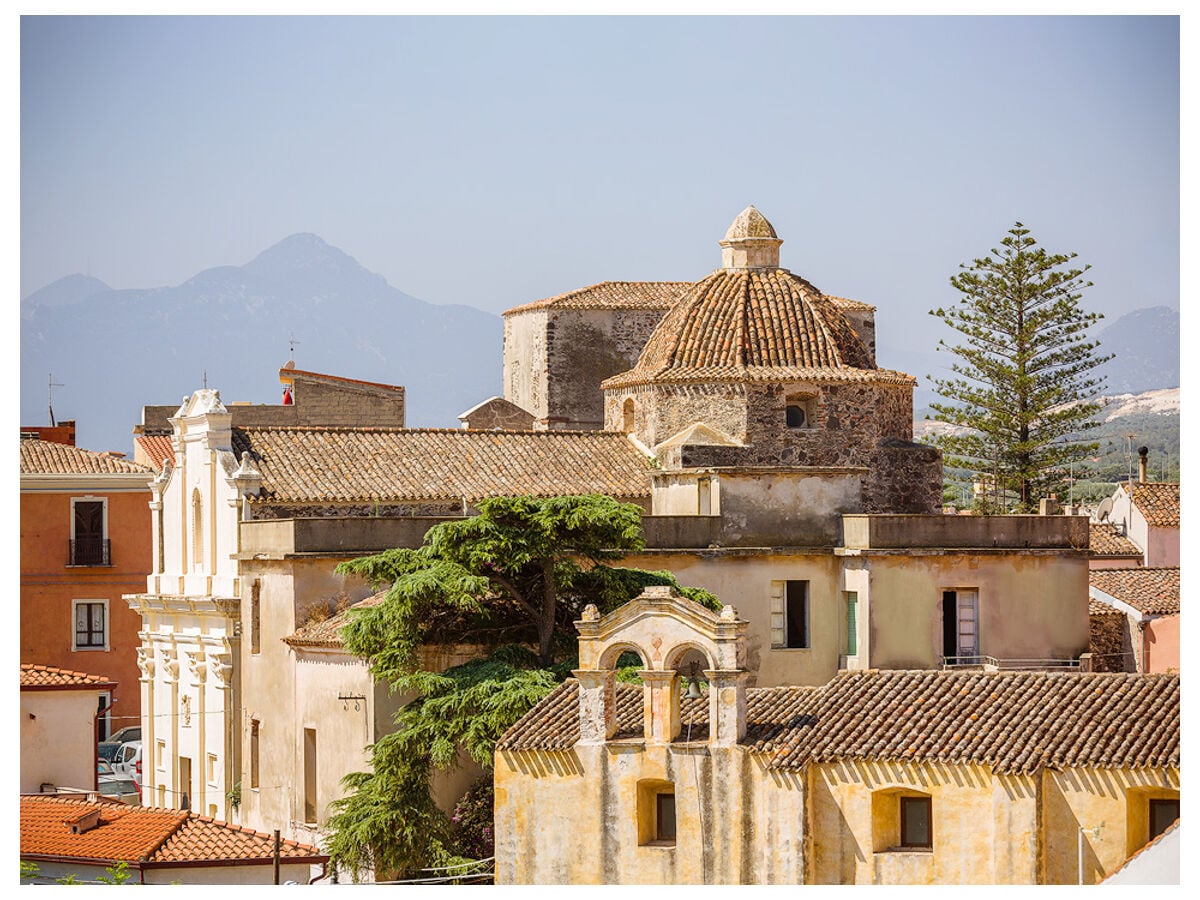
1143	463
83	822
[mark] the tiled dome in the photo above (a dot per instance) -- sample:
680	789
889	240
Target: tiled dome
756	322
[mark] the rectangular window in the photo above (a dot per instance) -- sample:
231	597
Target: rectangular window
160	752
916	822
789	614
664	817
91	632
254	727
1162	814
212	768
310	775
89	526
851	623
185	783
960	626
104	723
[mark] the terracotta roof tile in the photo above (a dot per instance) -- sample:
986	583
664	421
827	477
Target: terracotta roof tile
156	447
142	834
1107	540
365	465
847	303
1096	608
1013	721
35	676
1151	591
759	324
49	458
1158	502
290	372
613	295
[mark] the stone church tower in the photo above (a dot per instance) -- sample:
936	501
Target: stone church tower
754	366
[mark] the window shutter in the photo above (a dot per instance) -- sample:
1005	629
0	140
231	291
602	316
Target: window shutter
852	624
778	618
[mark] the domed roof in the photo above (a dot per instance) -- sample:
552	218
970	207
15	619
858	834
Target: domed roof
750	223
757	323
734	321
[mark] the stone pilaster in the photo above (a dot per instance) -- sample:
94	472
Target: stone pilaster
597	704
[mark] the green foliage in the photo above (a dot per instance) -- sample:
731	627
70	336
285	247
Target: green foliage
1023	373
518	574
68	879
117	873
29	870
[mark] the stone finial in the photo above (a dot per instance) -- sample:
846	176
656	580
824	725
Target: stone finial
590	613
728	614
750	242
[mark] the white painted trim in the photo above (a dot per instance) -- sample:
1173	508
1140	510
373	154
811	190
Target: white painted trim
116	483
1120	605
75	648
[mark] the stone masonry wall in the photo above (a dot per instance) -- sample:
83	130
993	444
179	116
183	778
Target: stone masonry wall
583	347
525	365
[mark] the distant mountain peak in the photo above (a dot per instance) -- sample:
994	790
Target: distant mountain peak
307	255
66	291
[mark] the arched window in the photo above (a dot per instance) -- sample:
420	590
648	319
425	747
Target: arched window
627	416
197	529
801	410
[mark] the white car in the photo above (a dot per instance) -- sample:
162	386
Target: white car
119	787
128	760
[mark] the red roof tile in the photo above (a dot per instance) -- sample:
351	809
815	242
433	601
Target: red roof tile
1107	540
50	678
368	465
1013	721
157	448
612	295
49	458
142	834
1158	502
1151	591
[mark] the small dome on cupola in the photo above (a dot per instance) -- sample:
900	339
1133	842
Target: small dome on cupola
750	242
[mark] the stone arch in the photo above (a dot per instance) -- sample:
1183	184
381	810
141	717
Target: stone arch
608	659
628	415
675	655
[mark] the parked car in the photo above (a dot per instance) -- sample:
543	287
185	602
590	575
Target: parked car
128	760
119	787
128	733
106	750
103	768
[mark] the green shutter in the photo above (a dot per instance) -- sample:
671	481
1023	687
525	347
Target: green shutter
851	624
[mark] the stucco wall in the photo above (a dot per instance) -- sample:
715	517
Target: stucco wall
1032	605
525	368
49	585
984	827
58	743
1115	801
572	818
1161	639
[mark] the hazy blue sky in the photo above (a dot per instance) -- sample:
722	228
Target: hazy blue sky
493	161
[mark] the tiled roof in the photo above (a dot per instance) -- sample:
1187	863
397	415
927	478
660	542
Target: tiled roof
767	323
49	677
1106	540
325	633
49	458
847	303
1151	591
156	447
1158	502
359	465
613	295
760	373
142	834
1096	608
1013	721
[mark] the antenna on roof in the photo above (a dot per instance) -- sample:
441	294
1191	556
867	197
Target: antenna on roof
292	342
206	379
50	396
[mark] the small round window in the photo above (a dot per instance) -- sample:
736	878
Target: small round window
795	416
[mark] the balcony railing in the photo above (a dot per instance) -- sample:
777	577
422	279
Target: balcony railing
992	664
89	552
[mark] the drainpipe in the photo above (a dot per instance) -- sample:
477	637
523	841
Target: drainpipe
1142	641
96	742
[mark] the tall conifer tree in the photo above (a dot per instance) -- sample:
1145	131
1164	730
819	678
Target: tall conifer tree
1024	377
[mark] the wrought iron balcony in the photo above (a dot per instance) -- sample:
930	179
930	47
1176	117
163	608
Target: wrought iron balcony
89	552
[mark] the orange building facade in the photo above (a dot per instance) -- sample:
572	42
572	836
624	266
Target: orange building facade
85	541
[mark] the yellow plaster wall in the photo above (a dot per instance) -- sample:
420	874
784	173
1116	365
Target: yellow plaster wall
854	825
573	818
1115	801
